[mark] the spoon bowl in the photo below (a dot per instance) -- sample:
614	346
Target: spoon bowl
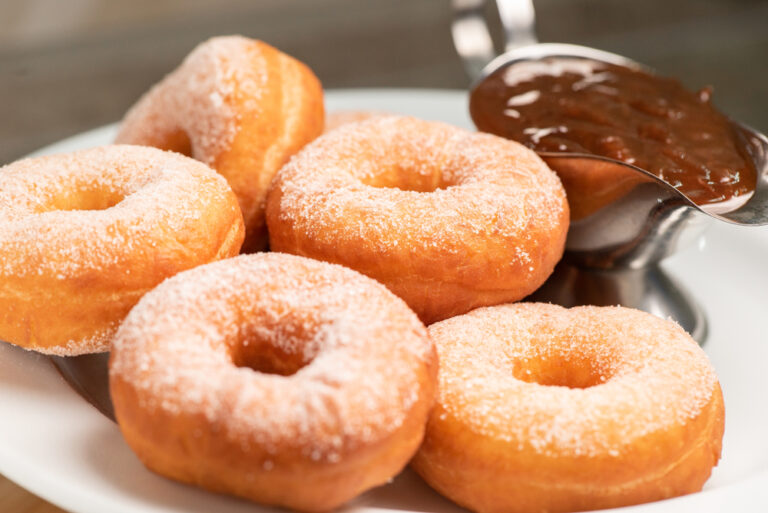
752	211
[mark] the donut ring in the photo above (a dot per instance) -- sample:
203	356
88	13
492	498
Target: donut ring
342	376
238	105
546	409
447	219
84	235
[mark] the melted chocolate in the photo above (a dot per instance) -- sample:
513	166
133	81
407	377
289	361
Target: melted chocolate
576	105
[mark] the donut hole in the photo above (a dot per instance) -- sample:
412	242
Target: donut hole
563	370
268	359
271	351
416	177
89	199
178	141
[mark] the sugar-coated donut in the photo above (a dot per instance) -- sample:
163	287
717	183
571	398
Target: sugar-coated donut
239	105
541	408
447	219
84	235
280	379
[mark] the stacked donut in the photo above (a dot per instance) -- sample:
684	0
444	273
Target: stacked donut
303	377
241	107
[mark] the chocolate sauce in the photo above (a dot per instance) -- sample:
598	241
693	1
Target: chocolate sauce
578	105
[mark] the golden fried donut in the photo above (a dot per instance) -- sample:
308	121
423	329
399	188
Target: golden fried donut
239	105
447	219
84	235
541	408
276	378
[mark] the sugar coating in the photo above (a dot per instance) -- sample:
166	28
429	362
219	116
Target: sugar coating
477	187
650	376
97	342
219	83
363	351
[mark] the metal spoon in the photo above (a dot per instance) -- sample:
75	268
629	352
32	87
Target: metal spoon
614	249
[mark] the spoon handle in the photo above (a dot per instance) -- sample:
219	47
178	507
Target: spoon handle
519	21
472	37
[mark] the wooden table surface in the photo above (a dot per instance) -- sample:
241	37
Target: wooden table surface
14	499
64	70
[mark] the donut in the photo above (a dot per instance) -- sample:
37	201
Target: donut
84	235
238	105
542	408
276	378
447	219
334	120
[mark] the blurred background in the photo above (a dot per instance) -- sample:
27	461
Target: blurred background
70	65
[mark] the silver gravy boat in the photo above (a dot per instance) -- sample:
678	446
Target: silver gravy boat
622	228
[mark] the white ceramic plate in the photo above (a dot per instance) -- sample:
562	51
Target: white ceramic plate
59	447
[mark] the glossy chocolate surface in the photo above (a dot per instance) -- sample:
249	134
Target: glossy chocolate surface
567	105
